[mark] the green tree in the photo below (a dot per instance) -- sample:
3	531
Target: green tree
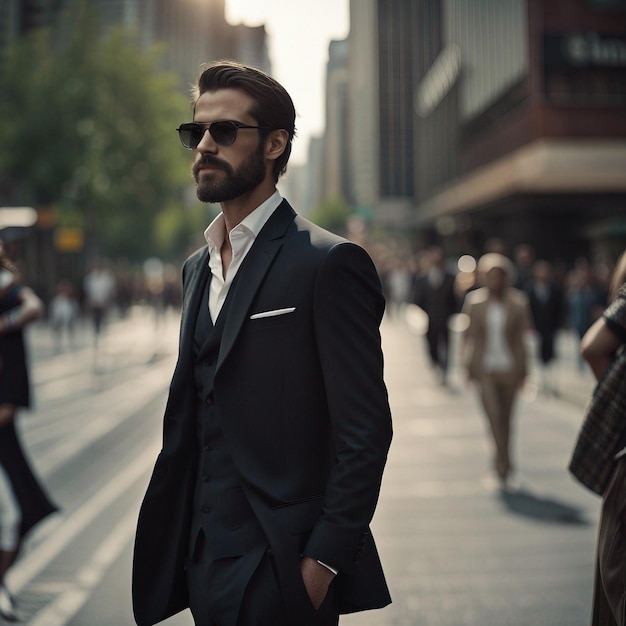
332	215
87	126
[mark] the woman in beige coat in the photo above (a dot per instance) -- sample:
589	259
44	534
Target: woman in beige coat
494	349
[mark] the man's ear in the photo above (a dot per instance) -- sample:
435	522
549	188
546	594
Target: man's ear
275	144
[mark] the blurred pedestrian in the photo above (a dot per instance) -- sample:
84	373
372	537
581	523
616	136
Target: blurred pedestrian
585	301
498	245
99	289
466	279
494	349
63	313
603	347
277	425
434	292
524	258
399	279
546	304
23	502
171	293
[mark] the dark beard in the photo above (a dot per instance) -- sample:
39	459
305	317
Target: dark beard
216	188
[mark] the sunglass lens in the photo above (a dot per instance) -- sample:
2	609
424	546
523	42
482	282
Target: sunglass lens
190	135
224	133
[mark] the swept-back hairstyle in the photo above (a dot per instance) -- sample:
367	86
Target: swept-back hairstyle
272	106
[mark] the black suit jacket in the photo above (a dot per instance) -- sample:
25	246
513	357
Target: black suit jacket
304	412
547	314
440	302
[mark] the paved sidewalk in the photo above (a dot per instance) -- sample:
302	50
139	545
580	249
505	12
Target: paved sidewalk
457	551
573	383
138	319
570	378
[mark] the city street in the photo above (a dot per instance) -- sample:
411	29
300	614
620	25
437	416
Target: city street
456	550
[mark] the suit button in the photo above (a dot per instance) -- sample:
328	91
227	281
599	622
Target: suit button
206	478
206	509
208	400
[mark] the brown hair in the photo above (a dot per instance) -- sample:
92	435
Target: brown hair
272	107
619	276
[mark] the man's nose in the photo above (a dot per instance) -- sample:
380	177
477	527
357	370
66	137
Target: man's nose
207	143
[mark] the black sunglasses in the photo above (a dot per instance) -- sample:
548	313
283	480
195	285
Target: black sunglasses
224	132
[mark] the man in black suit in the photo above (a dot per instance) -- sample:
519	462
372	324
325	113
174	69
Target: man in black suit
434	294
546	304
277	425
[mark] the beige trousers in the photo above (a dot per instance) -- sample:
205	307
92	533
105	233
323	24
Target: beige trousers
497	393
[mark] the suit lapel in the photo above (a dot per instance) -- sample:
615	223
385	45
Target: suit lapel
196	282
255	266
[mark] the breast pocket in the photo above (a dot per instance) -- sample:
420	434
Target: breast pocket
272	324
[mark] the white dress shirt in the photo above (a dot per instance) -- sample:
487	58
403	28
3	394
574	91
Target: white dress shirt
241	239
498	357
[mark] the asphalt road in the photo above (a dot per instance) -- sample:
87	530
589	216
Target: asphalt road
457	551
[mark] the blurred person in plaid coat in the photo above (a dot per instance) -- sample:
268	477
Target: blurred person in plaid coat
599	346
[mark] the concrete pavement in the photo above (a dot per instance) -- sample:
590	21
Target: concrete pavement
456	550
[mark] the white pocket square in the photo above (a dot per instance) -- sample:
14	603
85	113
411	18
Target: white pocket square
273	313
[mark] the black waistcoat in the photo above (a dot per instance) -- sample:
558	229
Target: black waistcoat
220	506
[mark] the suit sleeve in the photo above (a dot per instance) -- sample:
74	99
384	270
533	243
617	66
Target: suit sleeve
348	309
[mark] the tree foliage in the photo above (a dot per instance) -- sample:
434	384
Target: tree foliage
332	215
87	126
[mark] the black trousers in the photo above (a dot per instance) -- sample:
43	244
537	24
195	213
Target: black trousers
242	591
437	338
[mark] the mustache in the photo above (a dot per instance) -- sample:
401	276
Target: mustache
208	160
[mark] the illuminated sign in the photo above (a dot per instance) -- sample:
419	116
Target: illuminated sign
438	80
585	68
585	50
